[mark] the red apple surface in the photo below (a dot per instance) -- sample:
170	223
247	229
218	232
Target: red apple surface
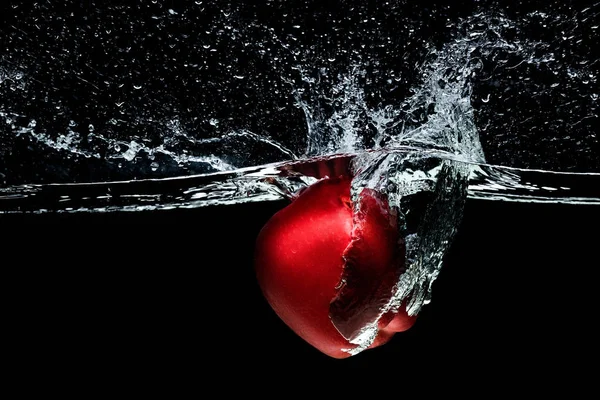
328	271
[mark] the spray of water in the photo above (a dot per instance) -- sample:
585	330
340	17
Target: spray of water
475	100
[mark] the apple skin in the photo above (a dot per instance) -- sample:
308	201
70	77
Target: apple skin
317	263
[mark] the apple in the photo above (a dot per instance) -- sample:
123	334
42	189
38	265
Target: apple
328	271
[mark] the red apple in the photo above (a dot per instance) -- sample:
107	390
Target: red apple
327	272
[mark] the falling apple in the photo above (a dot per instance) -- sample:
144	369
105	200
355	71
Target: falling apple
328	271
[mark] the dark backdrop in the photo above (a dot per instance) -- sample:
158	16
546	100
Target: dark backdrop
169	293
172	291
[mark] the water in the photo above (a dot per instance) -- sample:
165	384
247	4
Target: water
280	181
111	108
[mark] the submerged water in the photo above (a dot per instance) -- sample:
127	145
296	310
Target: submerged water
111	108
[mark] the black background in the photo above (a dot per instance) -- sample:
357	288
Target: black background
172	292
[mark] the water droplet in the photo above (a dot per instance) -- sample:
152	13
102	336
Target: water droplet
137	87
132	152
154	166
91	127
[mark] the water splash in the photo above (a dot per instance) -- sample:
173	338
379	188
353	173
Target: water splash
483	80
240	99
